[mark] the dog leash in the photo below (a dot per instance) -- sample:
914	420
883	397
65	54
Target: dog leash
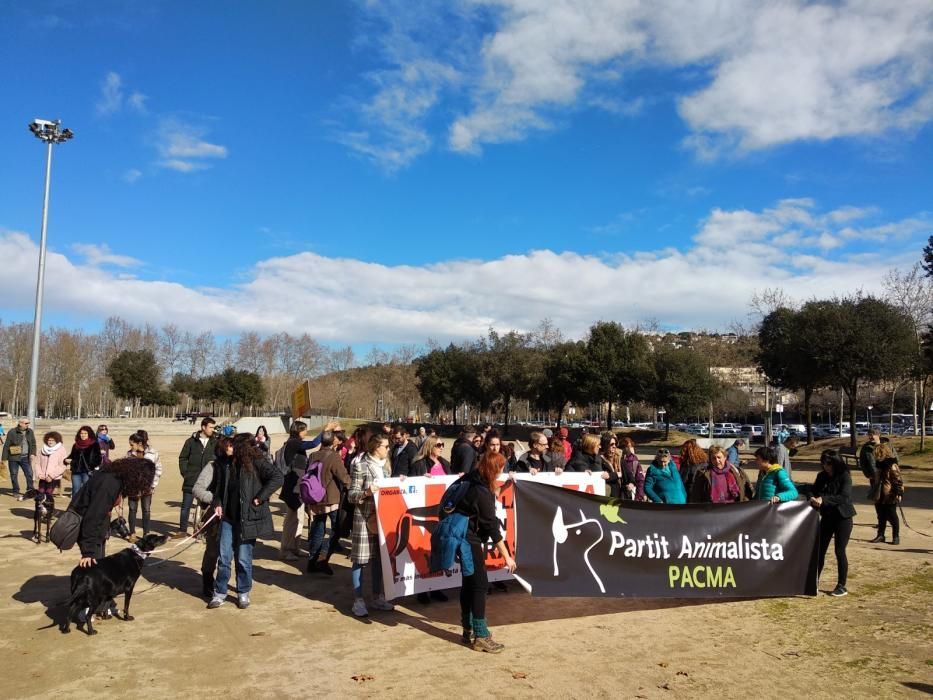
187	541
904	518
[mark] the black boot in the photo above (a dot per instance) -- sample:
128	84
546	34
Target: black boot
879	538
207	582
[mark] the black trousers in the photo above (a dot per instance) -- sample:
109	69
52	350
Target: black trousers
841	528
887	513
147	509
473	590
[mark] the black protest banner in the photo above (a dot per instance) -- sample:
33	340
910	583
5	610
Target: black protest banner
577	544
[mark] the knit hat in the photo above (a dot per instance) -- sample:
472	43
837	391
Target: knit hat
547	433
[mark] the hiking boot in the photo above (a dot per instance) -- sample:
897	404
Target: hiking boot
242	601
488	645
896	540
879	538
216	601
380	603
359	607
439	595
839	591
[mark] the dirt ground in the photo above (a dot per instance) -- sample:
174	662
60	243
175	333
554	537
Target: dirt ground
299	636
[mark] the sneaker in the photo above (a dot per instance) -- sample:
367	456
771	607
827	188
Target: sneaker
19	497
896	540
216	601
439	595
359	607
839	591
380	603
242	601
488	645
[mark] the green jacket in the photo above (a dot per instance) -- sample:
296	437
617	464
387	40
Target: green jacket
24	438
775	482
193	458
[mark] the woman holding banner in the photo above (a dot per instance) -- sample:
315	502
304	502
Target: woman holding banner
479	505
773	482
662	480
832	494
364	482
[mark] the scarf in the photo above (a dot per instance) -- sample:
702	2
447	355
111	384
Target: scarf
84	444
46	450
723	486
375	467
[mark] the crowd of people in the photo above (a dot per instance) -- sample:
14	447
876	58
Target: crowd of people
229	483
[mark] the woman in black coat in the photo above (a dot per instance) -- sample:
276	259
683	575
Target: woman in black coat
832	494
430	462
128	477
85	457
241	488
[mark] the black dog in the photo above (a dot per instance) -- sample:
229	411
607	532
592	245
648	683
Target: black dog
95	586
45	509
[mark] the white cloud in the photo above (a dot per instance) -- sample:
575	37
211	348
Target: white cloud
705	285
761	74
183	149
137	101
111	94
132	175
100	254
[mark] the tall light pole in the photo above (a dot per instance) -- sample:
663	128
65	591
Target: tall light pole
51	133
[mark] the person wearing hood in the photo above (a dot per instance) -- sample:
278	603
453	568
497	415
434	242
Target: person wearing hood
662	480
85	458
773	482
364	482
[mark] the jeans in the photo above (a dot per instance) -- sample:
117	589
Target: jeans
240	550
147	508
77	481
840	528
17	463
187	498
473	590
316	535
356	574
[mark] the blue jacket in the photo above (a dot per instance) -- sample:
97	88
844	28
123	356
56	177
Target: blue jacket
775	482
664	485
449	543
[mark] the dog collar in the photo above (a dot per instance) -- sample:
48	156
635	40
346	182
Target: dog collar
139	553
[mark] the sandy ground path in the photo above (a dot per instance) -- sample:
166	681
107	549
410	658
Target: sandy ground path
298	637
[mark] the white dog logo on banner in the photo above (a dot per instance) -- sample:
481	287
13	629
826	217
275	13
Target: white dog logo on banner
562	532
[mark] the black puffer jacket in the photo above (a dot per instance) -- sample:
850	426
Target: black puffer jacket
836	492
193	458
258	484
581	462
94	502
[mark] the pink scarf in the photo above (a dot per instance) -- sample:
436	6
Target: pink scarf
723	486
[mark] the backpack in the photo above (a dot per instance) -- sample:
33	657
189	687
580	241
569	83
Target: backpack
279	461
311	489
64	532
448	539
452	497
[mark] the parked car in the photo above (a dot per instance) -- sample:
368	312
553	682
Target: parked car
752	433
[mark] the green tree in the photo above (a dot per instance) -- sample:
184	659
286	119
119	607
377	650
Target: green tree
683	384
564	377
860	339
619	365
235	386
785	340
135	374
510	367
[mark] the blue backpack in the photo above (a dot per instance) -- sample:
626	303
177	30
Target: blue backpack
448	540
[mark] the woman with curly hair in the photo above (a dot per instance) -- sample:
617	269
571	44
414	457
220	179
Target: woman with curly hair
241	488
692	460
123	478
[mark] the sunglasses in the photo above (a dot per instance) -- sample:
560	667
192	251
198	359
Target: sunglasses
439	444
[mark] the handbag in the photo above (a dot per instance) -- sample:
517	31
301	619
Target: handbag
15	450
64	533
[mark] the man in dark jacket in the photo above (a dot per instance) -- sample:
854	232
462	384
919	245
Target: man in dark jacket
18	452
335	479
536	458
463	455
404	452
197	451
866	460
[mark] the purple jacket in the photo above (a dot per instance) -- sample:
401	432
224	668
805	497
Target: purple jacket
634	474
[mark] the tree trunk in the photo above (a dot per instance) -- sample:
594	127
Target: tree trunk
891	419
667	427
807	396
505	428
852	393
923	413
609	417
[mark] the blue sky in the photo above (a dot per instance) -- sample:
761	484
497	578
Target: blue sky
391	172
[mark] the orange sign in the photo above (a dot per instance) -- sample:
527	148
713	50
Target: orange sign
301	400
